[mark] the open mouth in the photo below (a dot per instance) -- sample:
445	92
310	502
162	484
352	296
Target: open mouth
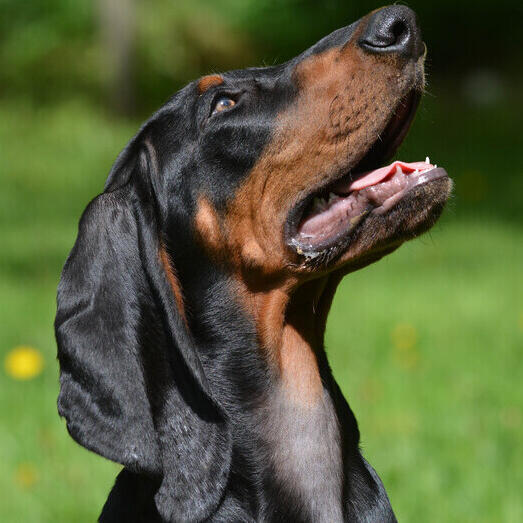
328	215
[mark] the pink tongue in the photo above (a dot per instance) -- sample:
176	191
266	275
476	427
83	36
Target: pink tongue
378	175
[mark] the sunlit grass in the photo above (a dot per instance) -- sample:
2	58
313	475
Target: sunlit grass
427	347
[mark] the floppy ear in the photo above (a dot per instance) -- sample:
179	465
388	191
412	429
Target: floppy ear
132	385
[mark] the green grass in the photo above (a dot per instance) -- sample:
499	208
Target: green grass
426	344
440	405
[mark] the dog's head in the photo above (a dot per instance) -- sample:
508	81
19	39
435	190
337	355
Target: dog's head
276	174
280	169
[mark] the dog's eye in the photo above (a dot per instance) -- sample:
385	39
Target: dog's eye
223	103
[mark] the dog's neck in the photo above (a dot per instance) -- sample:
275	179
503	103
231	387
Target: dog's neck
290	326
286	400
301	427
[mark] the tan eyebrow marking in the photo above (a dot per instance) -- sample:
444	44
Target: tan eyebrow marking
209	81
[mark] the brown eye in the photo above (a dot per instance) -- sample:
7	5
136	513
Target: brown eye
223	104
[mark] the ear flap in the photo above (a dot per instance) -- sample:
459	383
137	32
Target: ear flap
132	385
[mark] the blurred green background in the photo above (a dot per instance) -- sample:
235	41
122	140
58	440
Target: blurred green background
427	344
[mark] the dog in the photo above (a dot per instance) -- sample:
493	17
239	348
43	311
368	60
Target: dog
192	308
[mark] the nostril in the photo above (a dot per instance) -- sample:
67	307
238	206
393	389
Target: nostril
399	32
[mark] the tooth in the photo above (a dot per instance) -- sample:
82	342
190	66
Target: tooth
398	170
427	160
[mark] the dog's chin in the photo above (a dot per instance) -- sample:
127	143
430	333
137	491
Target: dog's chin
380	233
373	224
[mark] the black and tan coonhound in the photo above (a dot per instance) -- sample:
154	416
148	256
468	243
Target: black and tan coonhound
192	308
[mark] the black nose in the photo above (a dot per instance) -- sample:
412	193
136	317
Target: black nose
393	29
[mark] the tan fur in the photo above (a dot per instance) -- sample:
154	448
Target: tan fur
290	324
173	280
208	230
209	81
299	368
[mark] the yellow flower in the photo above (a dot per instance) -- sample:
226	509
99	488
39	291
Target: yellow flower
404	339
26	475
404	336
24	363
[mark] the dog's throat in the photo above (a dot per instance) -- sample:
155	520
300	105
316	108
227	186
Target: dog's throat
305	436
290	324
297	420
305	453
299	371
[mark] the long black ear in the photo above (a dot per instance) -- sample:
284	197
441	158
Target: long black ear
132	385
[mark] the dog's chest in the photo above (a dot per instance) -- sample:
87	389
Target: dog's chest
305	454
